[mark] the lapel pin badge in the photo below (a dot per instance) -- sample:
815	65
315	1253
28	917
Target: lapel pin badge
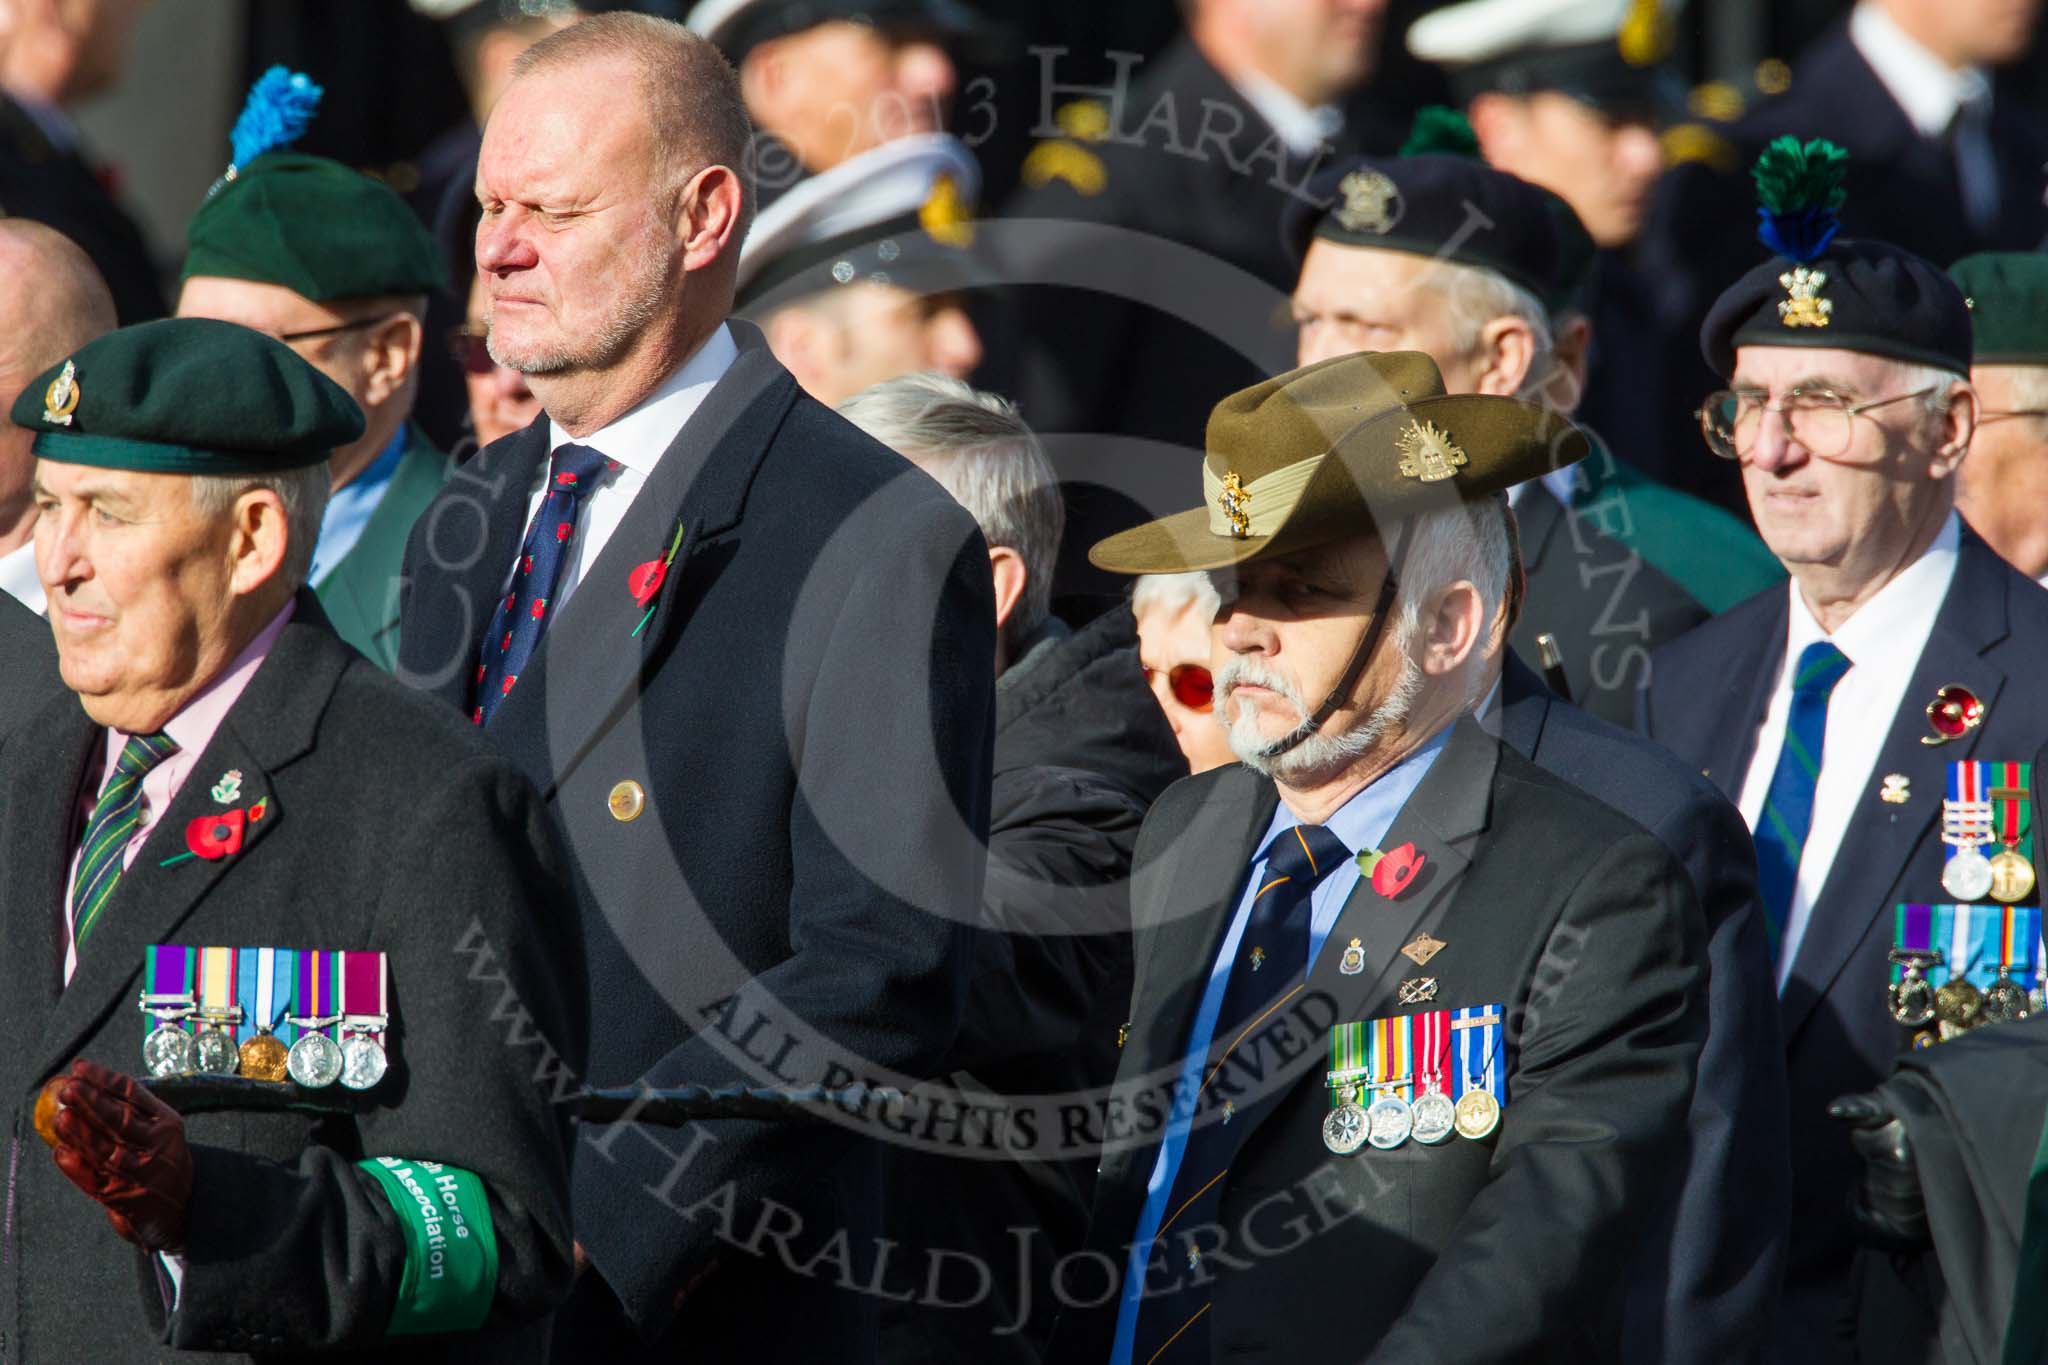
1954	712
1418	990
1423	949
1897	789
1258	957
229	789
1353	961
1391	872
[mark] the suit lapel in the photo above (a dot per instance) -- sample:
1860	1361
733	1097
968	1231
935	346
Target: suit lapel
1524	706
590	654
270	725
43	832
1882	838
465	548
1734	716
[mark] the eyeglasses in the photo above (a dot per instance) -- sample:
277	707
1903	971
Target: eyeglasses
470	346
1192	685
337	329
1822	421
1987	416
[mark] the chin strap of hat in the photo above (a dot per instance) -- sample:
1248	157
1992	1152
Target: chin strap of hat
1382	611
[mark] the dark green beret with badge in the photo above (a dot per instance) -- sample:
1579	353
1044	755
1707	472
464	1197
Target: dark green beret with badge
1340	449
1830	292
312	225
2007	295
187	396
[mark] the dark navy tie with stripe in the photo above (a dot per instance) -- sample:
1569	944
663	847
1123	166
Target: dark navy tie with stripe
1787	815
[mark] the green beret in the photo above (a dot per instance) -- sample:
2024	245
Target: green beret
2007	295
314	226
187	396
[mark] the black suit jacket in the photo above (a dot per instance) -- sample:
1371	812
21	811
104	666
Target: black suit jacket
807	715
1707	697
1575	920
54	186
1606	604
1706	1289
387	829
28	663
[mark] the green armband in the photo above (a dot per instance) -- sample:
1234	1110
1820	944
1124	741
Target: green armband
451	1251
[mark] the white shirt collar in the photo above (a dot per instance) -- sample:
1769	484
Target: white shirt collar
1303	129
638	439
18	577
1923	85
1903	609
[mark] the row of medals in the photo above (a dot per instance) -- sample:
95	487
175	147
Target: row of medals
2006	876
1956	1005
314	1060
1389	1121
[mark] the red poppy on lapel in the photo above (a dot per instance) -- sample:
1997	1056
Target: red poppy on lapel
1395	869
215	836
645	581
259	810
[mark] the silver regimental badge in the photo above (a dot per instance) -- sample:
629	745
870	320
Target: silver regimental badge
1353	960
1372	202
60	400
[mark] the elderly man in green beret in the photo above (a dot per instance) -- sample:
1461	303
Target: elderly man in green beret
316	1133
333	264
1405	1001
2002	488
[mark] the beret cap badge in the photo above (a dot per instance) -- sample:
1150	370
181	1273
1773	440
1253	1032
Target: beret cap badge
1372	202
1803	306
1428	454
1799	187
60	400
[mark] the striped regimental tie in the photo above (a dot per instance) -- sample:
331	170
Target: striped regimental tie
114	818
1788	806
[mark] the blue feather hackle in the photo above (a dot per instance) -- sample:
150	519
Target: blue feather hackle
280	106
1799	237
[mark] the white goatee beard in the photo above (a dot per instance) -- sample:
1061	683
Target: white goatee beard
1321	753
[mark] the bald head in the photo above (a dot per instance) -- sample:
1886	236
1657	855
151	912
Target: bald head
52	301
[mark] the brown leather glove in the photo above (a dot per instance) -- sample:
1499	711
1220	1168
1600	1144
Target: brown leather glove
126	1148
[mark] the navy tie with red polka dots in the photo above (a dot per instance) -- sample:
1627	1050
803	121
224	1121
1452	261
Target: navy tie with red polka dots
522	617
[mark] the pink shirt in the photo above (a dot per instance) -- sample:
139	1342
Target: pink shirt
192	729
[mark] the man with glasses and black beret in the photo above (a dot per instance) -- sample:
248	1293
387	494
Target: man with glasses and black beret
333	264
1815	706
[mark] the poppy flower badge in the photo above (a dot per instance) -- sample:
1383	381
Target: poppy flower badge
646	579
213	837
1392	872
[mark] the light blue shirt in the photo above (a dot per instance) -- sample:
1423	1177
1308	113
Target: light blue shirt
1362	822
349	509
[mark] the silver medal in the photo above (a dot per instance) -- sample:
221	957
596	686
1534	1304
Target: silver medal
362	1062
314	1061
1389	1122
1967	876
168	1051
1435	1118
216	1052
1344	1130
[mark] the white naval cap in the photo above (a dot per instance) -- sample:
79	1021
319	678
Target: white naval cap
883	215
1603	51
737	26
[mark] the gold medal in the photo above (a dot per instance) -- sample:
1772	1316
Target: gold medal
263	1057
1478	1114
2012	876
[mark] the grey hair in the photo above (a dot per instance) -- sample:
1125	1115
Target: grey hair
1939	378
1466	542
690	94
1476	296
981	451
1172	591
304	494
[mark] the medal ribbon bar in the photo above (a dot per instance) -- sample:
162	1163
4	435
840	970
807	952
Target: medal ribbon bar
1433	1052
1393	1070
1478	1032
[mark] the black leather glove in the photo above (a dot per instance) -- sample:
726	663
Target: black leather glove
1889	1208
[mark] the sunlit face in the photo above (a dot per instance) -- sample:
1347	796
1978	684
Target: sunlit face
1288	629
1972	32
837	89
1857	512
576	248
1173	638
279	312
500	403
1353	298
140	586
1603	167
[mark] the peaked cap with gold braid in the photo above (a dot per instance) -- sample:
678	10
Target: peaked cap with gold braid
1339	449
